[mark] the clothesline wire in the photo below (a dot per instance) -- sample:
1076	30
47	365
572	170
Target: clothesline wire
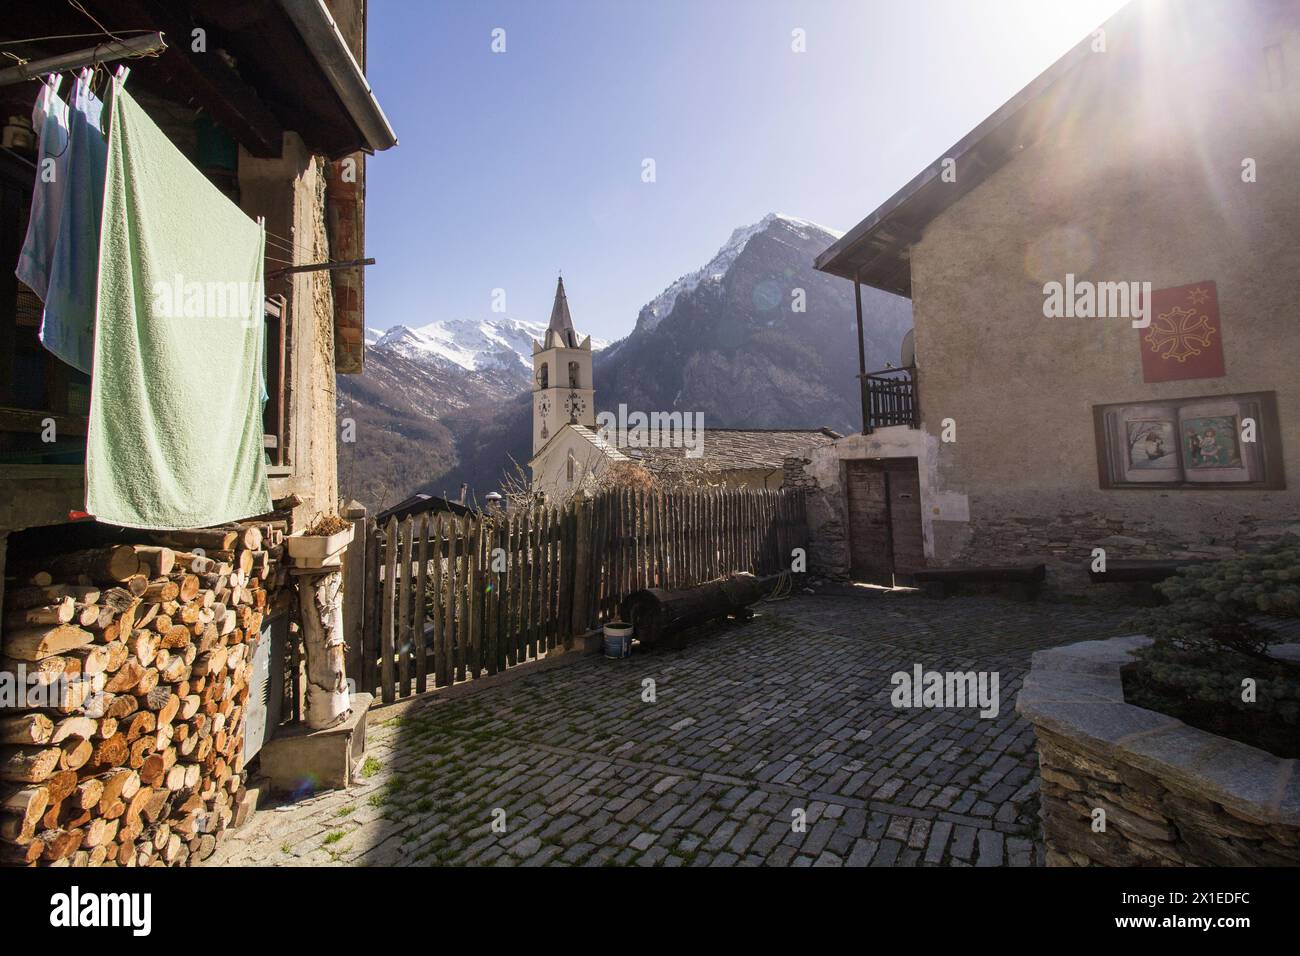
281	246
70	36
103	31
273	240
286	241
270	258
282	243
79	8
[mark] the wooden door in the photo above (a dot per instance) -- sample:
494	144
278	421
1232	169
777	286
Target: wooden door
906	544
868	507
884	505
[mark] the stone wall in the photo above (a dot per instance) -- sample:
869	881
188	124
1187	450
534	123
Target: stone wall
1149	822
828	541
1172	795
1065	541
794	474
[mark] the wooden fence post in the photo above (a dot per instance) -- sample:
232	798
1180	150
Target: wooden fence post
580	577
474	583
454	580
421	602
402	629
354	590
387	678
439	603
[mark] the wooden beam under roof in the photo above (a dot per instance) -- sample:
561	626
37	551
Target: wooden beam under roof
208	77
258	78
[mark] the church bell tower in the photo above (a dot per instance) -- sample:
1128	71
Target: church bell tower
563	392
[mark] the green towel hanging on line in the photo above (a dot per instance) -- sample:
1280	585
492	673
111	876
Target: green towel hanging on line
175	433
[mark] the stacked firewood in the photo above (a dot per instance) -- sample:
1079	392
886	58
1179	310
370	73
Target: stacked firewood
138	659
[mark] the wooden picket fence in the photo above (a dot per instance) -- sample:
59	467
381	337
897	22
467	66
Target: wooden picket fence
449	598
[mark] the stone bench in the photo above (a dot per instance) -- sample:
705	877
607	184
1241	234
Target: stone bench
1021	582
1138	576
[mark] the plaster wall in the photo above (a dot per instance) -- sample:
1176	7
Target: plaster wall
1139	177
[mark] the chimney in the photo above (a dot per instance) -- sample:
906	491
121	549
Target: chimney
464	490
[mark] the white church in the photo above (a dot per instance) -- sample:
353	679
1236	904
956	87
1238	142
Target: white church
569	452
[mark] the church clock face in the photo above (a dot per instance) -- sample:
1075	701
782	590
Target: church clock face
575	405
544	406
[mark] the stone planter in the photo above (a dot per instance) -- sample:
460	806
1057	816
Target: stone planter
1172	795
317	550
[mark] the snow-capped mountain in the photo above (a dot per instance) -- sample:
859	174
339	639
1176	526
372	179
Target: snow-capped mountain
449	402
424	390
653	312
757	338
474	345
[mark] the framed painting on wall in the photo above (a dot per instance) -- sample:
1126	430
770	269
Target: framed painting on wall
1219	441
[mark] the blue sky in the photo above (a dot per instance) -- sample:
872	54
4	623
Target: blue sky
514	165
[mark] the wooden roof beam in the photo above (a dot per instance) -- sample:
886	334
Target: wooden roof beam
208	78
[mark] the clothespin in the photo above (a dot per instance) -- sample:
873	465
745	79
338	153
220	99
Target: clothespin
122	73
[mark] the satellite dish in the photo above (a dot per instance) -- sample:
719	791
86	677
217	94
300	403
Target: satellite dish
907	355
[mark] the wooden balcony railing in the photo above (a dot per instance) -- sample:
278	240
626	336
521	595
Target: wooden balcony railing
889	397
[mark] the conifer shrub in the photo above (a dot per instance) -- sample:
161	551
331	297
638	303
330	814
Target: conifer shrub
1213	636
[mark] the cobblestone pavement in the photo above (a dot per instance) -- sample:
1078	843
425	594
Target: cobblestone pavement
750	725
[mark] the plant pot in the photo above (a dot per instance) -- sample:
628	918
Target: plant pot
315	549
618	639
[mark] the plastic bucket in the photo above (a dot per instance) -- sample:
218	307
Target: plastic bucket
618	640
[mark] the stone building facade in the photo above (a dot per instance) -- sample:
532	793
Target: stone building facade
1116	165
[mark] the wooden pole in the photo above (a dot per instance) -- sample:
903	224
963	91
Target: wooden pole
449	612
387	678
354	581
436	611
421	599
106	52
370	618
402	630
509	623
581	561
474	646
862	354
